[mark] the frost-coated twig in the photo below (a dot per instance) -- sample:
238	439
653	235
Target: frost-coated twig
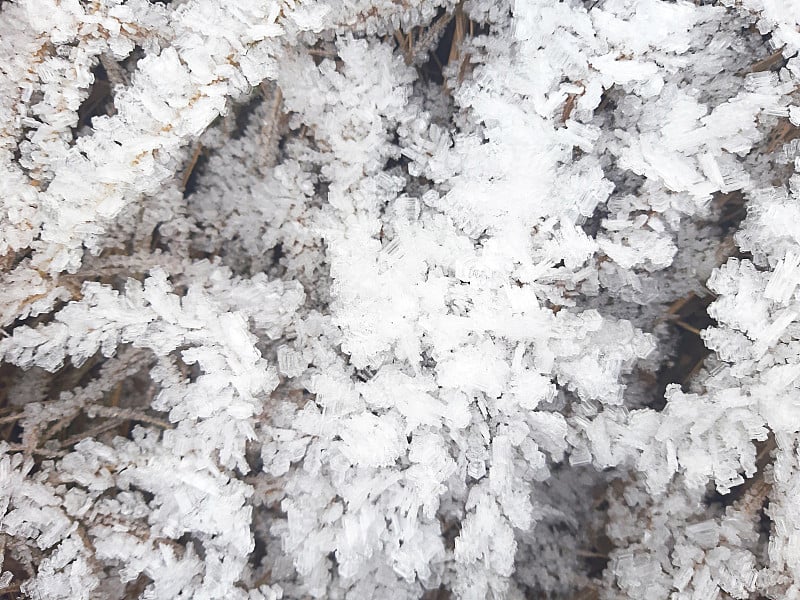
114	412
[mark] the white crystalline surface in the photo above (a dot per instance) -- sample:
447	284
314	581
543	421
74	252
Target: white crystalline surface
368	299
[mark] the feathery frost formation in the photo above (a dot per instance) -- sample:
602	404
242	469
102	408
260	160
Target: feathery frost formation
400	299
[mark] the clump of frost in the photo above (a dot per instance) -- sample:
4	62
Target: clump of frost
382	299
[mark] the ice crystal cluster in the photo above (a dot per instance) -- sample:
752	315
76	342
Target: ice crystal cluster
398	299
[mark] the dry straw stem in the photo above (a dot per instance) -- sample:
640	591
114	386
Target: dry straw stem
271	128
756	490
11	589
415	52
459	34
428	40
405	44
783	133
198	149
676	306
11	418
767	63
687	327
569	104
